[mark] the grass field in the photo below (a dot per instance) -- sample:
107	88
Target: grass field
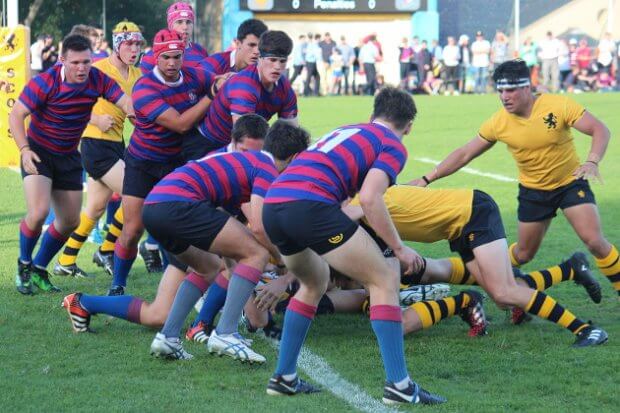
45	367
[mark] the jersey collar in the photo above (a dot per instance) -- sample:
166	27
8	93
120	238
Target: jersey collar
160	77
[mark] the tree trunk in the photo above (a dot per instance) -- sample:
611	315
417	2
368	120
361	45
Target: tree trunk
33	10
210	33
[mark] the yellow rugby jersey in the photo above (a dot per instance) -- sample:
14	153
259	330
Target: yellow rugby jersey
427	214
542	145
103	107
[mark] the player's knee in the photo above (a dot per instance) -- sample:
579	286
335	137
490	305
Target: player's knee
131	234
155	317
502	295
525	255
36	216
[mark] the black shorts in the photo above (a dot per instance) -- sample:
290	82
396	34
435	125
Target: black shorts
387	251
196	146
484	226
99	156
142	175
295	226
537	205
65	170
177	225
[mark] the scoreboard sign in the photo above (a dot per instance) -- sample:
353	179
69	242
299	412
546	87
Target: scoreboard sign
334	6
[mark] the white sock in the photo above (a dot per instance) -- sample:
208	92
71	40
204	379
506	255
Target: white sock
289	377
403	384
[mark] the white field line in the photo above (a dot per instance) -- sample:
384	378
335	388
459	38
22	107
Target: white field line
321	372
472	171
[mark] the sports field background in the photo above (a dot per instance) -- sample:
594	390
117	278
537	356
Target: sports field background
44	366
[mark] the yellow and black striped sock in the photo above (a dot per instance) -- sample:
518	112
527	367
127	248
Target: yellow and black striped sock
610	267
511	253
432	312
460	274
543	279
114	230
76	240
546	307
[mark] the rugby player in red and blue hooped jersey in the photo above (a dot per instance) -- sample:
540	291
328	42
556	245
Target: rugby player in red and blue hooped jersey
59	103
302	217
243	55
262	89
168	103
182	213
181	18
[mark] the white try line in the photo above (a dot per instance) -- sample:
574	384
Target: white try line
322	373
472	171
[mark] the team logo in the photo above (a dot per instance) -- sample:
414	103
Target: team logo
581	194
471	237
192	96
9	42
551	121
337	239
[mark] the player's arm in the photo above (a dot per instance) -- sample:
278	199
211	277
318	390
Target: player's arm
126	105
371	200
455	161
590	125
255	219
181	123
18	116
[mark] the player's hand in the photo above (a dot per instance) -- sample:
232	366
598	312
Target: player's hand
105	122
409	259
418	182
29	161
588	170
268	295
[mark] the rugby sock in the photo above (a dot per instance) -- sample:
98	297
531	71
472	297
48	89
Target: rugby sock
76	240
297	320
386	321
151	243
113	204
123	260
460	274
27	240
242	283
190	290
126	307
546	307
432	312
216	297
610	267
114	230
51	243
511	253
543	279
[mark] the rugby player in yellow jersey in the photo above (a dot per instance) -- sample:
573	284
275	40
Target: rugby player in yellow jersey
102	150
537	132
471	221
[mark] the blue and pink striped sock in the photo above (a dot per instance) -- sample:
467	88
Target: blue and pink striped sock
242	283
297	320
126	307
27	240
214	301
386	321
51	243
123	260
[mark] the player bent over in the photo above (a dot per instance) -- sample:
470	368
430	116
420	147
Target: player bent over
471	221
102	148
59	103
302	217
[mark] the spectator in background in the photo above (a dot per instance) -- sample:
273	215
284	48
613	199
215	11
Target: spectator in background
605	53
499	49
528	53
564	61
336	64
97	37
348	56
327	46
368	57
313	59
464	62
584	54
49	53
356	67
451	58
415	44
299	51
36	52
572	52
436	50
405	54
423	60
431	83
480	49
604	81
549	52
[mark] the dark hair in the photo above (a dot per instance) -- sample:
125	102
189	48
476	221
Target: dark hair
394	106
250	125
251	26
284	140
75	42
275	42
511	70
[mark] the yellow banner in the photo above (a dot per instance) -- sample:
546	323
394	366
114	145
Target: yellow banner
14	74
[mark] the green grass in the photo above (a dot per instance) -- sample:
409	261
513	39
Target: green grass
529	368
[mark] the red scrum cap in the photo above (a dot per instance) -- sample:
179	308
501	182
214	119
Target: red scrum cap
167	41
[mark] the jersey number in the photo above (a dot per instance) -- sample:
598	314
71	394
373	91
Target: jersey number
329	142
